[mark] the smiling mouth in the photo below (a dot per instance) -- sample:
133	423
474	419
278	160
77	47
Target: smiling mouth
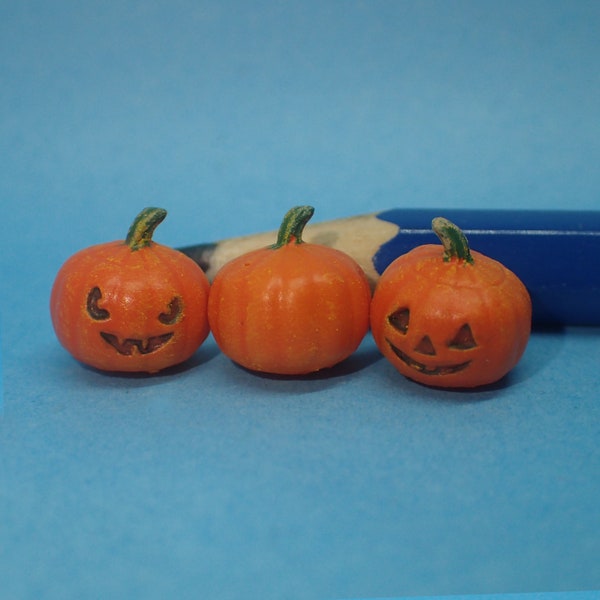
129	345
423	368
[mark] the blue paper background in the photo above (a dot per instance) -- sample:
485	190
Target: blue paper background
211	482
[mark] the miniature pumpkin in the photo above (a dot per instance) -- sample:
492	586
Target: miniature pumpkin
448	316
291	308
131	305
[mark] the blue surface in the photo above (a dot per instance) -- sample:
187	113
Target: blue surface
208	481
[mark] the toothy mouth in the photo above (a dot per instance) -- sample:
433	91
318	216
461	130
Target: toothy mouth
423	368
129	345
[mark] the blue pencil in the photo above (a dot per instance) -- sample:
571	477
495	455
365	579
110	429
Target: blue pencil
555	253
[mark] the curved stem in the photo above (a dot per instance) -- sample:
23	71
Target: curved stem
453	239
292	226
142	228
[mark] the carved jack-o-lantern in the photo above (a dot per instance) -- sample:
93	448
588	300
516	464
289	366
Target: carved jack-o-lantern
450	317
131	305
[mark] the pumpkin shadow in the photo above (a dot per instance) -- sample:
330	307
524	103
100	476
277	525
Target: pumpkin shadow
360	360
459	395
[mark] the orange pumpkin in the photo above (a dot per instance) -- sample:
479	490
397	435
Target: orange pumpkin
131	305
448	316
291	308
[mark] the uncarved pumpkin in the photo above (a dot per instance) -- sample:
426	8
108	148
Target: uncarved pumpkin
291	308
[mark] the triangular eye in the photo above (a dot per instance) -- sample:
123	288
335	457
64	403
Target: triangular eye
464	339
399	320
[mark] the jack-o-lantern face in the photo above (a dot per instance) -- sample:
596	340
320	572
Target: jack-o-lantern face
450	321
424	357
131	306
128	346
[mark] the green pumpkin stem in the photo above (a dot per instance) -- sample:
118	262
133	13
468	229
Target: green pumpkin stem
142	228
453	239
293	225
